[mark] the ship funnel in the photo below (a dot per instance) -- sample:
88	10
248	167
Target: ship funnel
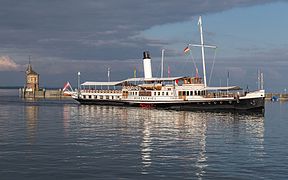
146	55
147	65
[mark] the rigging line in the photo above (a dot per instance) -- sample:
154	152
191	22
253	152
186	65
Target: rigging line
212	68
193	60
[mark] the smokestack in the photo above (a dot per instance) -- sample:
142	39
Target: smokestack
147	65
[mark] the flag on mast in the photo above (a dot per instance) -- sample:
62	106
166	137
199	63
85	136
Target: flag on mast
186	50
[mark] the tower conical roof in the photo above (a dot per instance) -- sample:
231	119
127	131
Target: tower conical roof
29	70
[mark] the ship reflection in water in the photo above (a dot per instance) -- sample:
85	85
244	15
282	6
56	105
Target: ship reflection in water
168	143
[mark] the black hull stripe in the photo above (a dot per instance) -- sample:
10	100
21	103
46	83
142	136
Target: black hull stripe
243	105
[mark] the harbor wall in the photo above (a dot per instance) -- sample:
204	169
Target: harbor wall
43	93
280	96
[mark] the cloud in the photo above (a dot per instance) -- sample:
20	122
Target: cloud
8	64
60	35
89	29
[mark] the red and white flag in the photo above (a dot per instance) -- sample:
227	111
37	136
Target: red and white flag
186	50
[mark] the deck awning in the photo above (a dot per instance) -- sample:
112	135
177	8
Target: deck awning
91	83
116	83
222	88
153	79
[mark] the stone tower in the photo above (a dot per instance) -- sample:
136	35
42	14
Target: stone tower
32	79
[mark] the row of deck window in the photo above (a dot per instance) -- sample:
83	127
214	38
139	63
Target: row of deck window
100	97
166	93
163	93
133	93
155	93
191	93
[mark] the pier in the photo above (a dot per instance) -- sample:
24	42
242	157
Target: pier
32	89
42	93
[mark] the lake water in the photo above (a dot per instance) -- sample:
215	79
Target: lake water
53	139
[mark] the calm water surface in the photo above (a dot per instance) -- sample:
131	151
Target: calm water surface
52	139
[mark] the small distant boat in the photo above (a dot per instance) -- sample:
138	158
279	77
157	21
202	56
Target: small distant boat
274	98
177	93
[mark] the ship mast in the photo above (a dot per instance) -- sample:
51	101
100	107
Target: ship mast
202	49
203	46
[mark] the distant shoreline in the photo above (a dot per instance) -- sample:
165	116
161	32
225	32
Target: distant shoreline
10	87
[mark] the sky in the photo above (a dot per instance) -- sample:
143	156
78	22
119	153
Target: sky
64	37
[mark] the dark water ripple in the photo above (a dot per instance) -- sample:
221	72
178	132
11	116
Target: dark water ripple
52	139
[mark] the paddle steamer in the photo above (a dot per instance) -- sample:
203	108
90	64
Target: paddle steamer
176	93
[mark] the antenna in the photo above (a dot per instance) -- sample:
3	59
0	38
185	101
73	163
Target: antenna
262	80
78	84
162	62
108	74
228	76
